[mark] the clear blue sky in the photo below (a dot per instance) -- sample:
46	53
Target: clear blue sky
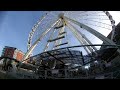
16	25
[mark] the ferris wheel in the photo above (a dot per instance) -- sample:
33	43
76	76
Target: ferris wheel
57	29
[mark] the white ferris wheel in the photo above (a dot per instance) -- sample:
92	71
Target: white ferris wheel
57	29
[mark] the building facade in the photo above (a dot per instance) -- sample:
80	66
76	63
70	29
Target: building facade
12	52
8	51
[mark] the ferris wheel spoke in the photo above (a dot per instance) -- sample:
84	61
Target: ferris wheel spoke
94	32
94	18
86	13
82	13
97	22
93	14
90	15
97	26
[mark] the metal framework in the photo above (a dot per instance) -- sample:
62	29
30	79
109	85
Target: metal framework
38	40
62	55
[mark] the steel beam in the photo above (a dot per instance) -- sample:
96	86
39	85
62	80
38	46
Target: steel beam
61	44
38	40
77	36
56	39
84	39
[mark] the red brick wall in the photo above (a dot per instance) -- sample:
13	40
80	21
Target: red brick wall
19	56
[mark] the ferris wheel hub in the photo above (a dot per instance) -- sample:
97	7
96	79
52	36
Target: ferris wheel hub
61	15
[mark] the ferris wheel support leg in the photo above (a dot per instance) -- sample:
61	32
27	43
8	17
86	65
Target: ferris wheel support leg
85	39
94	32
85	43
89	42
81	36
38	40
77	36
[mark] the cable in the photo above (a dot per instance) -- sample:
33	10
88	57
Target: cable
98	22
98	26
